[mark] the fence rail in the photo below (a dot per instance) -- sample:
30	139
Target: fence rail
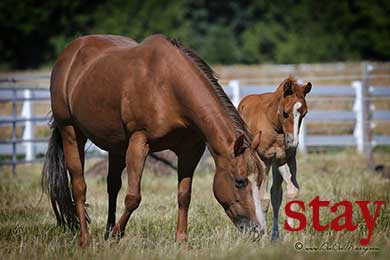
27	147
363	113
22	89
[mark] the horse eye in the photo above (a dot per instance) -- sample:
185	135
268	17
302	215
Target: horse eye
285	114
241	182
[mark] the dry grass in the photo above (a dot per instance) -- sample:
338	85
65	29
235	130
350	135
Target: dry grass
28	230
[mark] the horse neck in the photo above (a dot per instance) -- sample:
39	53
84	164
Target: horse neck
209	114
272	111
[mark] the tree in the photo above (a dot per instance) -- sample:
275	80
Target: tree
221	31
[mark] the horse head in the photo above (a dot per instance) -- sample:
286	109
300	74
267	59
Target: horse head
237	182
292	109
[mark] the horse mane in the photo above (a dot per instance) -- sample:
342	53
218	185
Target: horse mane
212	78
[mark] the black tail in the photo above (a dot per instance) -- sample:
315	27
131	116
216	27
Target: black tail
55	181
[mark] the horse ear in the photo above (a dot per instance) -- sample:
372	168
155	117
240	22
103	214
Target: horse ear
256	141
307	88
287	88
239	146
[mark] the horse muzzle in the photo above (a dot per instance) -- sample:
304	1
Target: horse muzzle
290	141
248	226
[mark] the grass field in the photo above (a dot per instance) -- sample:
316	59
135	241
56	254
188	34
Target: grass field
28	229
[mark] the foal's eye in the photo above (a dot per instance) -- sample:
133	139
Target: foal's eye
285	114
241	182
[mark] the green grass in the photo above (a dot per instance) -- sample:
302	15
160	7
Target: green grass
28	230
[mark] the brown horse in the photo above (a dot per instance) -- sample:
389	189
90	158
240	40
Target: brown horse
278	116
132	99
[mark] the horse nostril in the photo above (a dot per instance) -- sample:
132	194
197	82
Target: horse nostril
288	139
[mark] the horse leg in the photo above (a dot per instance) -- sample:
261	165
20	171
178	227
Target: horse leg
276	200
264	191
116	164
289	173
187	162
73	143
137	152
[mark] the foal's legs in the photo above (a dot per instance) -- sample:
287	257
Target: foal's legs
137	152
73	143
265	191
116	164
292	188
276	200
289	173
187	162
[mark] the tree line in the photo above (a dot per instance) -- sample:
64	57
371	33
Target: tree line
221	31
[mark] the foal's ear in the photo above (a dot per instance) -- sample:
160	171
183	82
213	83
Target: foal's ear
307	88
256	141
287	88
239	146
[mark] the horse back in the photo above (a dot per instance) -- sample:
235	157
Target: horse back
73	62
253	109
125	86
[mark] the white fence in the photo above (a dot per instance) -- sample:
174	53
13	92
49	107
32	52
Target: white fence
23	90
28	148
363	115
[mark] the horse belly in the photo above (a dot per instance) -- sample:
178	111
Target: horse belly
96	110
107	134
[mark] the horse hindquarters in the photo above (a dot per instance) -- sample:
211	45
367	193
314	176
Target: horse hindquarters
55	181
66	152
73	142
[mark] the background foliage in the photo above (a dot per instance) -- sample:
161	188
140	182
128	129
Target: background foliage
222	31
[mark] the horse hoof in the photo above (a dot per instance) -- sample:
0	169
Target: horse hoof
275	235
181	238
83	243
117	233
108	231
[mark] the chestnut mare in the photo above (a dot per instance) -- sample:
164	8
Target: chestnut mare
278	116
132	99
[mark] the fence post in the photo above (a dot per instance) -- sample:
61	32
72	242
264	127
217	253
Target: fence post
363	131
235	85
28	133
366	68
302	138
14	97
359	107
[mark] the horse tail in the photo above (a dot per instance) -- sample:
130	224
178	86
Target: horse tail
55	181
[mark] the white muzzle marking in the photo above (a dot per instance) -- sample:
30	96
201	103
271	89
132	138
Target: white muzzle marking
256	200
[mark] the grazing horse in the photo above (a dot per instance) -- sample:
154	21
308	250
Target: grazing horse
132	99
278	116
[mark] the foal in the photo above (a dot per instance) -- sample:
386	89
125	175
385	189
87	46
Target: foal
278	116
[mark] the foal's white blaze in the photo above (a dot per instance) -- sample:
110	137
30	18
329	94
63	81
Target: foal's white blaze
296	115
256	200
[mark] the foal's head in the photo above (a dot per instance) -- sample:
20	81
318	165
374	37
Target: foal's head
292	109
237	183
